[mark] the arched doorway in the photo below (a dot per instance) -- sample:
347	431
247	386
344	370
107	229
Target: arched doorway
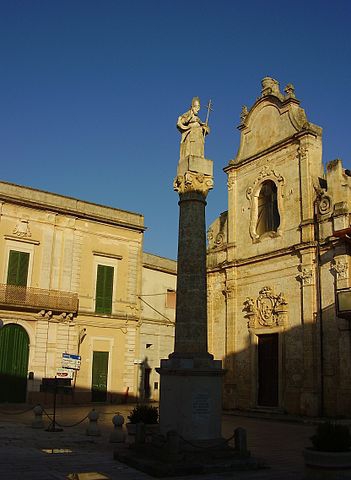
14	350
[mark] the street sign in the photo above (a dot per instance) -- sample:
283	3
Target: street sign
71	361
64	373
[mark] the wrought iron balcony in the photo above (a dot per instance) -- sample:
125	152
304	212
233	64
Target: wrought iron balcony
30	298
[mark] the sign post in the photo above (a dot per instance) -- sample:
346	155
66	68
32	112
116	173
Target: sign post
71	361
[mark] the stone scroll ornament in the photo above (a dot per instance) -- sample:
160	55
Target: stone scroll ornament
22	228
267	310
193	130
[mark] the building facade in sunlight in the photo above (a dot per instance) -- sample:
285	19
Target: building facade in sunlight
156	339
278	260
70	293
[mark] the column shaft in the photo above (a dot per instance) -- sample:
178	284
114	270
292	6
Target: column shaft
191	311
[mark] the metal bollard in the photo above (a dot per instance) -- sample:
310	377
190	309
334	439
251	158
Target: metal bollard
117	435
93	429
38	417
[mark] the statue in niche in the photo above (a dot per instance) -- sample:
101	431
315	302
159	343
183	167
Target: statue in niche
193	131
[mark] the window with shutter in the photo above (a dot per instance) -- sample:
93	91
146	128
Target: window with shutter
171	299
104	289
17	272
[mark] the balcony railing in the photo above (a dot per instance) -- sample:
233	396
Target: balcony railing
30	298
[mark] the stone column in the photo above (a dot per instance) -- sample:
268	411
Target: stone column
190	380
191	309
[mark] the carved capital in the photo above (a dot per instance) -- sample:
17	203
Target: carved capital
230	181
340	268
306	276
193	182
229	291
302	152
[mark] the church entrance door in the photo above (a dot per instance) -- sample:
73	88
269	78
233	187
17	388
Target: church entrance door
268	370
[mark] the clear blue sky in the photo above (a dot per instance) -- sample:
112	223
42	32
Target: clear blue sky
91	90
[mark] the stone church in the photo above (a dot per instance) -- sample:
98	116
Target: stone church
278	266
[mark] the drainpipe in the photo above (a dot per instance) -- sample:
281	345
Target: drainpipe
319	308
81	336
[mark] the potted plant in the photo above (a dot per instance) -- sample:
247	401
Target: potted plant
143	413
330	456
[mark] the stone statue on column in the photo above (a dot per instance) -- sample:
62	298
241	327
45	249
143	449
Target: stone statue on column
194	172
190	379
193	131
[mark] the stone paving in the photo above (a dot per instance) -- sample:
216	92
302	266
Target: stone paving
279	443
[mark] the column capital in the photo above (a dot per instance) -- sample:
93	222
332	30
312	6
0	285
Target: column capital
193	182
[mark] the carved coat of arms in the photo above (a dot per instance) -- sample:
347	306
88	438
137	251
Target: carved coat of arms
268	310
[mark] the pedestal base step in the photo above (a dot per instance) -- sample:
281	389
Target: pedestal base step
148	461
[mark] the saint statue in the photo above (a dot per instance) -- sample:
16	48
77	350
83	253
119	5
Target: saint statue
193	131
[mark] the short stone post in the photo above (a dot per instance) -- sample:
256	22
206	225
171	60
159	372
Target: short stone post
240	441
93	429
38	417
140	433
117	435
172	445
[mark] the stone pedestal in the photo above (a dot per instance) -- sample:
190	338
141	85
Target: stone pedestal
191	398
191	381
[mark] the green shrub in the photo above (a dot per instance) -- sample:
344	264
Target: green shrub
331	437
143	413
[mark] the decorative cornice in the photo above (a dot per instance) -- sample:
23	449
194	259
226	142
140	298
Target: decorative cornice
107	255
266	256
287	142
21	239
42	200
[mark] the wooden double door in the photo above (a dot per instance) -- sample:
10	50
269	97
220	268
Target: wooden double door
99	376
268	370
14	352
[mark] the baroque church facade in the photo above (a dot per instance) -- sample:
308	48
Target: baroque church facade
278	261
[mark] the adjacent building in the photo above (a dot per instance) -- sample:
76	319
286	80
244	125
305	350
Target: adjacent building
278	259
156	338
71	289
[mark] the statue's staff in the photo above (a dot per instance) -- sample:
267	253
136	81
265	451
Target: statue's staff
209	109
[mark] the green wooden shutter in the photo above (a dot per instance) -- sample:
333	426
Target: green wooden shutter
104	289
17	272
